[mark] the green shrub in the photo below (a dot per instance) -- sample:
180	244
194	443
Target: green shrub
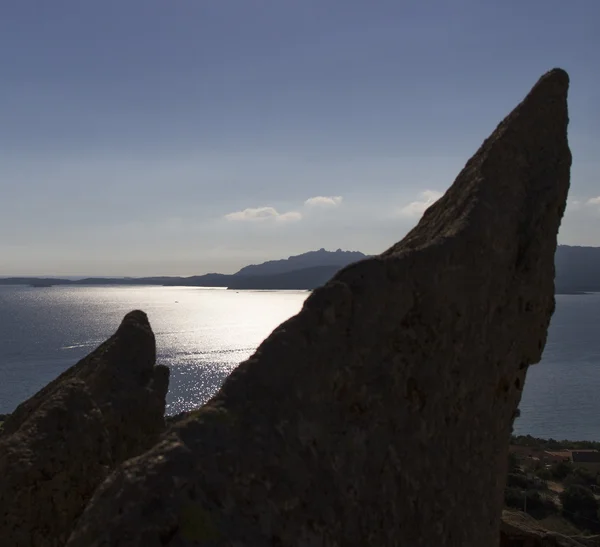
552	444
520	480
544	474
516	480
579	504
561	470
531	501
580	476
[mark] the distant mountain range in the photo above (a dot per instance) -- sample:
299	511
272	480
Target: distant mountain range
305	278
577	270
311	259
305	271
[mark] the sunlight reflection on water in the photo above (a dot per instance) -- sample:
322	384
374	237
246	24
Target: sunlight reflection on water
201	334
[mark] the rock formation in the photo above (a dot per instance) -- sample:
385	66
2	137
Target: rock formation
58	446
381	413
518	529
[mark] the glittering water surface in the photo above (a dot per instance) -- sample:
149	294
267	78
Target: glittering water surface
202	334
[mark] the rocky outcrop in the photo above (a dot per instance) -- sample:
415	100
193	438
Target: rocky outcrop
58	446
518	529
381	413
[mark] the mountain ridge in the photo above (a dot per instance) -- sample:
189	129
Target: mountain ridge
304	260
577	271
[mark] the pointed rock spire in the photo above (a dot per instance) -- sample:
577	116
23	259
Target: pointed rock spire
381	413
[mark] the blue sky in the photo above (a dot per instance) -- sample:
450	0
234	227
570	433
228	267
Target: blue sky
187	136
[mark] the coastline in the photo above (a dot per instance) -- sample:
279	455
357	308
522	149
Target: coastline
143	282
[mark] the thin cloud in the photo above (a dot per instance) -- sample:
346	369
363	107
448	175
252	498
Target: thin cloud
323	201
581	205
262	214
291	216
573	205
417	208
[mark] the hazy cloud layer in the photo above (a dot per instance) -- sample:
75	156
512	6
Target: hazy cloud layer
593	201
581	205
323	201
261	214
258	214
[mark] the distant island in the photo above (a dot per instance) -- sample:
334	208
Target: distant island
577	272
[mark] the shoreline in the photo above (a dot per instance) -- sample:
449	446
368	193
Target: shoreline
44	284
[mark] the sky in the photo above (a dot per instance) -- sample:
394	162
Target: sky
155	137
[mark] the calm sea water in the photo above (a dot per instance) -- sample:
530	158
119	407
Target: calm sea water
202	334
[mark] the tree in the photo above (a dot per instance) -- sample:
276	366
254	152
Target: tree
579	504
544	474
561	470
525	482
581	476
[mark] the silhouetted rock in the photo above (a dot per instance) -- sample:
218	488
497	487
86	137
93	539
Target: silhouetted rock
58	446
380	414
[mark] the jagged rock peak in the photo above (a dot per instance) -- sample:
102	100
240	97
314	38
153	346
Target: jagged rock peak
135	319
512	146
381	413
60	444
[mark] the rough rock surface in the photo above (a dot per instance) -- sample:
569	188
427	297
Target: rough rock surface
518	529
381	413
58	446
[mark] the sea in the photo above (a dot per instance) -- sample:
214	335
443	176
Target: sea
203	334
